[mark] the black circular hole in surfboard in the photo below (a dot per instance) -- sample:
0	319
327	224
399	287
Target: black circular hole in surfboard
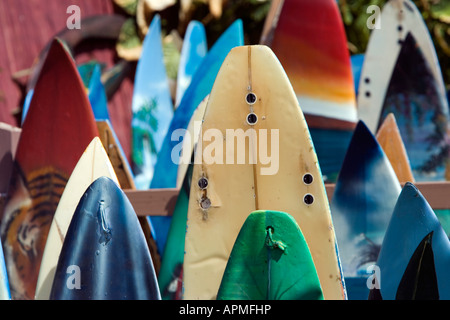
252	119
202	183
308	178
250	98
308	199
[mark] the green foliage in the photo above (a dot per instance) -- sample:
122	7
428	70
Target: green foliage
129	36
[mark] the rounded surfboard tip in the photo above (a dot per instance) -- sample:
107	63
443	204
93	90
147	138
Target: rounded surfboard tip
285	270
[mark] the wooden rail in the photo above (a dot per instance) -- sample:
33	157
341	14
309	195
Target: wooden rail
161	202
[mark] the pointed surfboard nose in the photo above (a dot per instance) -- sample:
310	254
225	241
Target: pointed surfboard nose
107	245
412	221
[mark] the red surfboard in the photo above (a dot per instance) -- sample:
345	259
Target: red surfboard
59	126
309	39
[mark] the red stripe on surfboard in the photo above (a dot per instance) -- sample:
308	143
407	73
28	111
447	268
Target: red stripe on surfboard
319	122
60	123
310	41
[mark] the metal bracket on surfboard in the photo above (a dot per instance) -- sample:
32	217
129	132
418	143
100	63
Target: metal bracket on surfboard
161	202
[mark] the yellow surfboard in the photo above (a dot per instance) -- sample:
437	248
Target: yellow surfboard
254	153
93	164
390	140
190	140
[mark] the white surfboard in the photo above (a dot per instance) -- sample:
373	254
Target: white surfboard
397	19
93	164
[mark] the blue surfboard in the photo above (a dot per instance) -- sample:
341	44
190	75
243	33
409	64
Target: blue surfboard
415	255
91	75
166	168
357	61
152	106
193	51
26	104
201	84
105	255
364	198
5	292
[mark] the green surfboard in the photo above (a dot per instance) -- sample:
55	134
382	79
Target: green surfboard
270	260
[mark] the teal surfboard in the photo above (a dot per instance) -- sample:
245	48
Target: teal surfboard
170	277
270	260
152	106
415	255
91	73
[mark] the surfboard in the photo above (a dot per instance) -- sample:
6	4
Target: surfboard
201	84
170	277
415	255
357	61
363	200
190	140
105	254
26	105
317	62
125	177
94	163
390	140
252	91
152	106
59	126
9	137
270	260
400	51
193	51
115	153
5	291
166	168
91	73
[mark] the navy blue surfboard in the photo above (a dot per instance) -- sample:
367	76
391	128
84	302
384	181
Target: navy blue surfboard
364	198
105	255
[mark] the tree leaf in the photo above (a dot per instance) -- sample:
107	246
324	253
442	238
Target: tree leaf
129	44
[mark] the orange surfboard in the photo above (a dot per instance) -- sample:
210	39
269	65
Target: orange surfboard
59	126
390	140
